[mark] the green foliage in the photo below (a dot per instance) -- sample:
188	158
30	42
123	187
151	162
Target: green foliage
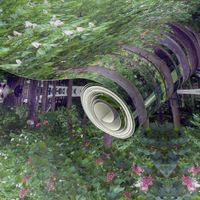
196	120
53	164
63	166
58	121
12	118
194	138
87	29
172	153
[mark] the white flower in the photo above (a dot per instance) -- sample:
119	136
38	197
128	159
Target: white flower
36	44
68	33
19	62
91	25
46	2
57	23
137	184
80	29
45	11
29	24
16	33
196	184
18	185
34	25
53	18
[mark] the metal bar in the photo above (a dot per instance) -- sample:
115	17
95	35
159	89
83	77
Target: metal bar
189	91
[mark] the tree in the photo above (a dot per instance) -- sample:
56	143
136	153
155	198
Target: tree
39	39
32	102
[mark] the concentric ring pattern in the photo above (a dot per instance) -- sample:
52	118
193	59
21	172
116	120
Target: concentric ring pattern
133	83
146	83
107	111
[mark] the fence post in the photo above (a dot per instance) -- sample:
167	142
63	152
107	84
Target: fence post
175	111
69	93
45	96
53	100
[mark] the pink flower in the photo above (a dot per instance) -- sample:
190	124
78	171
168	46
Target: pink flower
194	170
127	195
144	183
190	184
110	176
45	122
23	193
25	179
50	184
99	161
138	170
29	161
38	125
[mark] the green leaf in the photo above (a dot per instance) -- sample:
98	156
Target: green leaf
40	52
4	51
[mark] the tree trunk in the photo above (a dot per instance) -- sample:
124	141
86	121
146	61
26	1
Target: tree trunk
32	102
38	94
20	99
69	93
175	111
45	96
